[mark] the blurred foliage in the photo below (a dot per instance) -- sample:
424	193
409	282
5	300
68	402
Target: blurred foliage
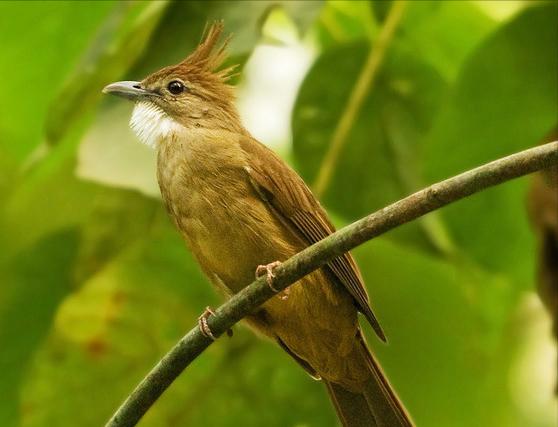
97	285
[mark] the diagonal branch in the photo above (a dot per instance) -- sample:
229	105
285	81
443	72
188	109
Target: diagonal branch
315	256
360	90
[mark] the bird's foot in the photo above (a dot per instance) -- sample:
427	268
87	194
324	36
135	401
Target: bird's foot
204	327
267	269
202	323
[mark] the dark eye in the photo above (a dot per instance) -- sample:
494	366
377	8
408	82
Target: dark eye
175	87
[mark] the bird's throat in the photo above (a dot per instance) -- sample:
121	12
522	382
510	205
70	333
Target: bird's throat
151	124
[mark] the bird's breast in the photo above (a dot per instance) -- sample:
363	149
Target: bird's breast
225	224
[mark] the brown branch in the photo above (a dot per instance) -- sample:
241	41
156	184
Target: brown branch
315	256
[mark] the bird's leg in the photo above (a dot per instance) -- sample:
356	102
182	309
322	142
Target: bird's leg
267	269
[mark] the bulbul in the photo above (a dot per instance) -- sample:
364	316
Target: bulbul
242	210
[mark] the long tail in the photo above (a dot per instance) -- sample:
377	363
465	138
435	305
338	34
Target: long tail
376	406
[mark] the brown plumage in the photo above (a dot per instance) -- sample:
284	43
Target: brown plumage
238	205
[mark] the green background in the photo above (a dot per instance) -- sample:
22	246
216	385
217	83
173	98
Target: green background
96	285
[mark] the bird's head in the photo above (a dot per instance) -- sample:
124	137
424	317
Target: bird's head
191	94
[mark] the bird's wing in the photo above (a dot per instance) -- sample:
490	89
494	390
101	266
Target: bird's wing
295	205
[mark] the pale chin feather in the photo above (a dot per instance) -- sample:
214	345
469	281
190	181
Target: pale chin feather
151	124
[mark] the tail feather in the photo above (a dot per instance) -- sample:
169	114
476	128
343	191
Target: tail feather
352	409
381	396
376	406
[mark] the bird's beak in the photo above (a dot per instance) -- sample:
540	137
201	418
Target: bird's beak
128	89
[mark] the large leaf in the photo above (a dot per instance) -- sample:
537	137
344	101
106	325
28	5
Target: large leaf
113	329
41	42
506	99
183	25
451	340
383	151
443	33
32	285
42	261
344	22
115	48
379	162
55	199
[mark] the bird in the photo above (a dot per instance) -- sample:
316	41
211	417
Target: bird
242	211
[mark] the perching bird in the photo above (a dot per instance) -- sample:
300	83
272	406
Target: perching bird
241	209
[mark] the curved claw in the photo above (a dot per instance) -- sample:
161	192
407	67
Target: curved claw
267	269
203	325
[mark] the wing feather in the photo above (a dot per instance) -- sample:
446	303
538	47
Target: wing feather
293	202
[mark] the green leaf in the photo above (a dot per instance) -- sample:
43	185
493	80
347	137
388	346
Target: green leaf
182	27
110	330
125	317
303	13
443	33
344	22
41	42
379	162
449	349
53	198
116	47
33	284
505	100
380	9
57	232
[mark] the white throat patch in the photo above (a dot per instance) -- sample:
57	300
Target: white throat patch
151	124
